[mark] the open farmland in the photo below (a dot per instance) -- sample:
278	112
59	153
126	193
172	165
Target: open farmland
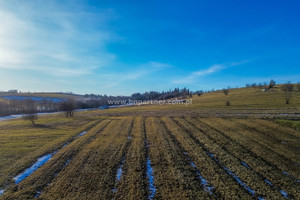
153	157
149	100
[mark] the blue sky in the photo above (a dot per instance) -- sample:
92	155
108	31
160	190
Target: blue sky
121	47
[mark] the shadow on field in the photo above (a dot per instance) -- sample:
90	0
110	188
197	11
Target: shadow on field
43	126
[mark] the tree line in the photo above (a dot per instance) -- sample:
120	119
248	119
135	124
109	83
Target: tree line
15	106
31	107
154	95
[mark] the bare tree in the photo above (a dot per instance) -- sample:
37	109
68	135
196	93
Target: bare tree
271	84
30	111
225	91
68	106
4	108
199	92
287	89
228	103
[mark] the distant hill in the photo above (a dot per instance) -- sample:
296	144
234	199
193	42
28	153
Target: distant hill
239	98
252	97
40	94
243	102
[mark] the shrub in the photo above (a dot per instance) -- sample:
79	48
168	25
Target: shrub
228	103
225	91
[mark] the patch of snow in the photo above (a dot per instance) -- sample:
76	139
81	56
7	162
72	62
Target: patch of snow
38	193
244	185
149	173
10	117
41	161
210	154
67	162
150	177
284	193
206	185
269	182
66	144
245	164
33	98
239	181
120	170
285	173
81	134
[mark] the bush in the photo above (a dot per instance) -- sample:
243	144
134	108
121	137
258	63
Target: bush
228	103
287	89
68	107
271	84
225	91
30	111
31	117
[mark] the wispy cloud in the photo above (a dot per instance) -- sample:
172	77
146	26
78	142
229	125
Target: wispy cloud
210	70
55	40
192	77
196	74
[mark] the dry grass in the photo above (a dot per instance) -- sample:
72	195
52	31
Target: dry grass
22	143
177	136
245	103
255	155
175	178
95	166
133	184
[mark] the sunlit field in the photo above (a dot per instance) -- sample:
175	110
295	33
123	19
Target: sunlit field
205	150
191	158
244	102
149	100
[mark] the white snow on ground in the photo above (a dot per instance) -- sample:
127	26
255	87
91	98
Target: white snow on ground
42	160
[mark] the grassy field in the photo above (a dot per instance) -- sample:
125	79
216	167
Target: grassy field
22	143
205	150
239	159
245	102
